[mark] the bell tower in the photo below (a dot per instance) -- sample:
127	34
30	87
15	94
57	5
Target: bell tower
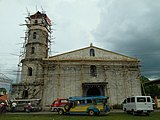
36	48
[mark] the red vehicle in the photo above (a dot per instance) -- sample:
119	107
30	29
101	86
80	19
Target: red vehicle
60	102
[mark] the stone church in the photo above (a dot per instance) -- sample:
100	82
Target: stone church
90	71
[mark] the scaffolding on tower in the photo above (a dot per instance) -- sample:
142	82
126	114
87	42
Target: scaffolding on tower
28	23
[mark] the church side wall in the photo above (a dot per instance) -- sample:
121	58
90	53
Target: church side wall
121	84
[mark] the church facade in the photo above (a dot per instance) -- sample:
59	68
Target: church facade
90	71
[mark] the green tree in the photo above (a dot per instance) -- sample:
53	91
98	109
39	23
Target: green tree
3	91
143	80
149	89
152	90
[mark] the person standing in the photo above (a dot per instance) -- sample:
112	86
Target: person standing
29	107
13	107
3	107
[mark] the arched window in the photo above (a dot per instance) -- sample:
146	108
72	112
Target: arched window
29	71
34	35
93	70
32	50
92	52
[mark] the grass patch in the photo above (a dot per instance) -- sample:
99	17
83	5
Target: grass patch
111	116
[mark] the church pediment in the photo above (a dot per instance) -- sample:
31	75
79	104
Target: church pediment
92	53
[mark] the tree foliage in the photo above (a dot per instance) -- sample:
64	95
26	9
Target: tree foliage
3	91
149	89
144	79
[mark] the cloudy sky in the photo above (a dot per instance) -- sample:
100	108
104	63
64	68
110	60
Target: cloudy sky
129	27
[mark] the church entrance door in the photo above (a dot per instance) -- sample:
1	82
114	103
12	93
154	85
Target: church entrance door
93	92
94	89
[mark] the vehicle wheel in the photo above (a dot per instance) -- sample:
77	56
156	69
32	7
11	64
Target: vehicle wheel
147	114
54	110
133	113
91	113
60	111
26	110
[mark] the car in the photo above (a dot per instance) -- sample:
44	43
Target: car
56	104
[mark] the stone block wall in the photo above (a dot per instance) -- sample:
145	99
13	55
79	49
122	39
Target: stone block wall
66	80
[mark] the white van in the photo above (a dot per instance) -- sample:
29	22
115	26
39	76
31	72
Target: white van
138	105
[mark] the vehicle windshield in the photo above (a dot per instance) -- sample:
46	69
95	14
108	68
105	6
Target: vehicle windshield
89	100
141	99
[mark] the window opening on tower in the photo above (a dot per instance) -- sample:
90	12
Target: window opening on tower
29	71
36	21
34	35
25	94
32	50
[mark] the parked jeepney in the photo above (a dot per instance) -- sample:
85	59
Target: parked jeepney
26	104
86	105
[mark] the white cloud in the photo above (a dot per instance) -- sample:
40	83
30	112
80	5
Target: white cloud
132	27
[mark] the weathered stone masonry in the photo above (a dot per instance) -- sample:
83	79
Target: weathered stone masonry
84	72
